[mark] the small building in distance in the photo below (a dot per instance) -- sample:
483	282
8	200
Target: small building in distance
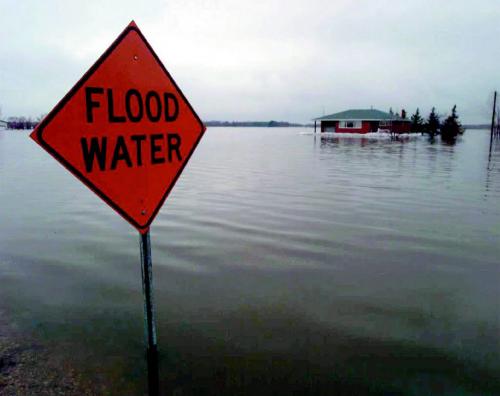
3	124
363	121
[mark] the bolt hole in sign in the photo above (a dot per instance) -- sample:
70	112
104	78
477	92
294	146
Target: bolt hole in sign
125	129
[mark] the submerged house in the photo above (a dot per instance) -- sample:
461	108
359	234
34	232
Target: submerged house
363	121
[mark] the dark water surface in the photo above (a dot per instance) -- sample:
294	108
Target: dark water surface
284	264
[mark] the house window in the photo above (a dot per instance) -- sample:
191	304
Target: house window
350	124
384	123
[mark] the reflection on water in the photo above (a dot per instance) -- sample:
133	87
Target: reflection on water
493	167
284	263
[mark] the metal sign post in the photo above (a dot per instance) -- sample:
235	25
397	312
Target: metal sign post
149	314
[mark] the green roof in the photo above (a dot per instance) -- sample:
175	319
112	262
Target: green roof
360	114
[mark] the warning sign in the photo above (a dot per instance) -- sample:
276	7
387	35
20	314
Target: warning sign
125	129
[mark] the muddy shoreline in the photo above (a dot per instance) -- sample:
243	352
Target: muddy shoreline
28	368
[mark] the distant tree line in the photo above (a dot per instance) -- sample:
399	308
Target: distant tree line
269	124
449	129
21	123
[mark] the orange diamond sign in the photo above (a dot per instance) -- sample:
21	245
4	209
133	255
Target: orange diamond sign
125	129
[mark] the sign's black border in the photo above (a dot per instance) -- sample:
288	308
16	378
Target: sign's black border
39	130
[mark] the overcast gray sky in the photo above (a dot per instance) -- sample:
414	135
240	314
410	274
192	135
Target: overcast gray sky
260	60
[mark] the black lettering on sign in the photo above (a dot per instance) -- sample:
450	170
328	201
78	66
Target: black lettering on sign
138	139
149	96
135	105
171	106
174	144
111	110
89	103
155	148
120	153
128	105
96	151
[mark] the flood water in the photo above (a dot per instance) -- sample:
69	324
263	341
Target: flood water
284	263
